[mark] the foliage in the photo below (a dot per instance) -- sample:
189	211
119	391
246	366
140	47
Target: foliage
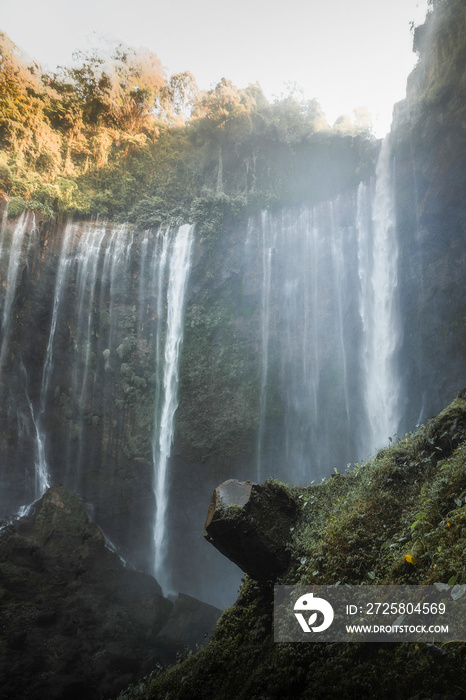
114	136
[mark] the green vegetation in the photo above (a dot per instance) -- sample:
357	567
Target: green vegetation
115	136
400	518
218	411
410	500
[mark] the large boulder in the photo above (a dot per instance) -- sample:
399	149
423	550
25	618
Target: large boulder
252	525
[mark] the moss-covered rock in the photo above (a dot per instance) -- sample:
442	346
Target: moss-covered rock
252	525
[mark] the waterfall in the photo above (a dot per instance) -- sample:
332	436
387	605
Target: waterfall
14	263
100	408
41	474
267	252
309	323
43	480
17	255
328	330
92	272
89	398
178	261
104	284
338	265
378	269
62	274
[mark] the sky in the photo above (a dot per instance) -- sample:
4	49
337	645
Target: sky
344	53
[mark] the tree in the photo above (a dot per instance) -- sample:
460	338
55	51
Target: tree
224	115
181	94
294	118
226	110
126	89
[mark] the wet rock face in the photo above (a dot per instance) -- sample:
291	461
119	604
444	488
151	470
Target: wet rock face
251	524
74	621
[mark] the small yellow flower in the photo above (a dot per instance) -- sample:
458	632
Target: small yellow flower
410	559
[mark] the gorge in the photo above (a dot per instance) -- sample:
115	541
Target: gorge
247	297
305	313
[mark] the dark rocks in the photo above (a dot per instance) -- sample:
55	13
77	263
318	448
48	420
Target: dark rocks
190	619
252	525
74	621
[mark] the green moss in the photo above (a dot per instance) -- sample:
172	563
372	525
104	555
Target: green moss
219	373
126	347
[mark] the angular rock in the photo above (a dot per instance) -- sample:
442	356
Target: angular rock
251	524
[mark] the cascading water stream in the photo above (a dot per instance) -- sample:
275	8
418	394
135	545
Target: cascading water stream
41	474
159	282
41	464
62	275
378	266
106	286
328	330
14	260
267	252
338	264
307	352
178	260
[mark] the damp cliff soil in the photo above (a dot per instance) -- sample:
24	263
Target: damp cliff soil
74	621
397	519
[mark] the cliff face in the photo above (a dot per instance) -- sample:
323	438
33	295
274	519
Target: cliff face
429	133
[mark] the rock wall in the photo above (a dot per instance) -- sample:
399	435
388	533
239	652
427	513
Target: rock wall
429	137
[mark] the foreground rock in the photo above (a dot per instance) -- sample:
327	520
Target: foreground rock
190	620
252	525
74	621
